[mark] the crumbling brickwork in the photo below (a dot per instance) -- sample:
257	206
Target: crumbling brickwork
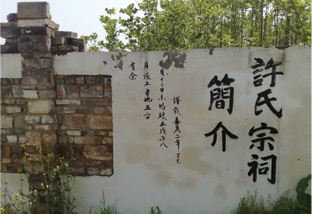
12	124
67	115
84	109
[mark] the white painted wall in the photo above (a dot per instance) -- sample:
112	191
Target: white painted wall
11	65
208	180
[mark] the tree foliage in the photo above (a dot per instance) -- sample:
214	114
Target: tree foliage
191	24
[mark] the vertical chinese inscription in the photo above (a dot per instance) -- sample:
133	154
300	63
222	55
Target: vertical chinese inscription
147	98
162	113
221	95
263	135
176	122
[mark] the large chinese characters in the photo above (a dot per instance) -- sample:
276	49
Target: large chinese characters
262	144
264	73
221	97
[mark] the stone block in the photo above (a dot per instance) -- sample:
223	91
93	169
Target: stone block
91	91
10	30
9	101
22	139
63	49
83	110
60	91
12	42
13	109
31	94
74	122
20	101
6	81
97	152
105	79
19	121
17	151
73	91
7	132
92	79
103	110
59	40
7	49
17	91
79	140
5	161
31	44
12	17
37	31
67	34
47	93
32	118
66	110
33	10
37	23
45	127
6	122
94	102
108	92
99	122
69	79
5	151
99	110
34	138
93	171
106	172
80	80
17	81
6	91
37	64
80	43
68	102
79	170
107	141
92	140
73	133
19	131
40	106
49	139
59	79
12	139
48	119
35	77
37	55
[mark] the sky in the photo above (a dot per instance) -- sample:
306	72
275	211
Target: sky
80	16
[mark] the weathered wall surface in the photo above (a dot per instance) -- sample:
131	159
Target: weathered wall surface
167	108
188	131
84	109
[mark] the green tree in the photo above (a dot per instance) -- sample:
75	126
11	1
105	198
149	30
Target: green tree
192	24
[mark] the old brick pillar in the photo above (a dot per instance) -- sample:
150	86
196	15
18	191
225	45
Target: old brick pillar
34	44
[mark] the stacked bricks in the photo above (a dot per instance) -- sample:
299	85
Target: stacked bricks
34	44
12	125
31	27
67	115
84	108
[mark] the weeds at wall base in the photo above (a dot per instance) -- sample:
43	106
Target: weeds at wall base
282	205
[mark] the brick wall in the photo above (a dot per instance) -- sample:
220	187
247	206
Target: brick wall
12	124
68	115
84	109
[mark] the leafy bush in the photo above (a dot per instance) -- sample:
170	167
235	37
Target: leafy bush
282	205
54	193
